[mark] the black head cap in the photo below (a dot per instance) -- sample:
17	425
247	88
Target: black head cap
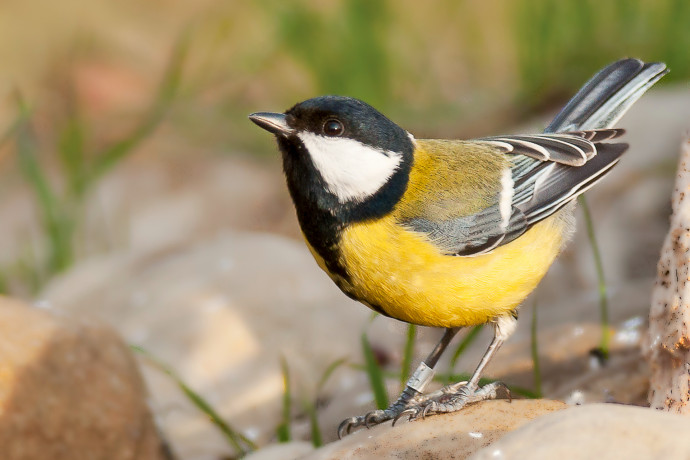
358	120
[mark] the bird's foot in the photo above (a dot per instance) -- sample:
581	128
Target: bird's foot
409	398
453	398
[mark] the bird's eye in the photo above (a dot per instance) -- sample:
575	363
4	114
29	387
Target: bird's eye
333	128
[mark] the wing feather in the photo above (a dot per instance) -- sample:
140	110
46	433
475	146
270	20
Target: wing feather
547	172
572	148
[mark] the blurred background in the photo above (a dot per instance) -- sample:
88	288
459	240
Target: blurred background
129	171
86	86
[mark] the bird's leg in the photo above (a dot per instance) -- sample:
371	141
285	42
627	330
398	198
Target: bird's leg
411	396
456	396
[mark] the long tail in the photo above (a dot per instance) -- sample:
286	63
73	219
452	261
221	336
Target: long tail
607	95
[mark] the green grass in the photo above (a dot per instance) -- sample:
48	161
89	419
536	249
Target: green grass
283	430
311	407
56	215
560	44
330	45
375	374
534	349
60	203
601	280
237	440
240	443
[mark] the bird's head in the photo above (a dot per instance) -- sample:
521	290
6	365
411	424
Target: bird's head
341	145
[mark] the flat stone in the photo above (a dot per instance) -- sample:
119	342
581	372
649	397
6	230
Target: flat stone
446	436
601	431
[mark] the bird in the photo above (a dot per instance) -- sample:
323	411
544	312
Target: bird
446	233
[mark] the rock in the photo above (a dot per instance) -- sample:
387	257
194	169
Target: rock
284	451
447	436
667	344
601	431
69	389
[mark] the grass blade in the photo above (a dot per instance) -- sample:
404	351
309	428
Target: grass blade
167	91
375	373
312	407
408	354
72	153
240	443
328	372
58	226
534	345
603	294
283	430
316	438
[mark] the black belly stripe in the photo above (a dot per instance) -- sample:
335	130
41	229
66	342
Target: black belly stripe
346	290
378	309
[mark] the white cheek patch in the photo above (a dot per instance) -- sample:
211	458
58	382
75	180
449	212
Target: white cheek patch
351	170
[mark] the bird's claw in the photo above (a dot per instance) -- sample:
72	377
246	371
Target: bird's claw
411	413
348	424
419	411
415	412
428	409
509	395
374	418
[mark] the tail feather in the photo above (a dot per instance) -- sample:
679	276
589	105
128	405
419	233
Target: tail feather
590	114
607	96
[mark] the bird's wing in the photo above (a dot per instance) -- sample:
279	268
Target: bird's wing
527	178
572	148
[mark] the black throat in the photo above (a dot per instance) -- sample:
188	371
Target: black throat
321	215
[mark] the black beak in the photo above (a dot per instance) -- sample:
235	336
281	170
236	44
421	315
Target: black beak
272	122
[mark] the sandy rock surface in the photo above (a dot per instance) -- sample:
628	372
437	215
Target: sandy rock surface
447	436
601	431
69	389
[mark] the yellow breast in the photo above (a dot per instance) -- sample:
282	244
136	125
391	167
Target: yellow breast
404	274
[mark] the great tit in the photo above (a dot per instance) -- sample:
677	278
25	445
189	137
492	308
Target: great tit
446	233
